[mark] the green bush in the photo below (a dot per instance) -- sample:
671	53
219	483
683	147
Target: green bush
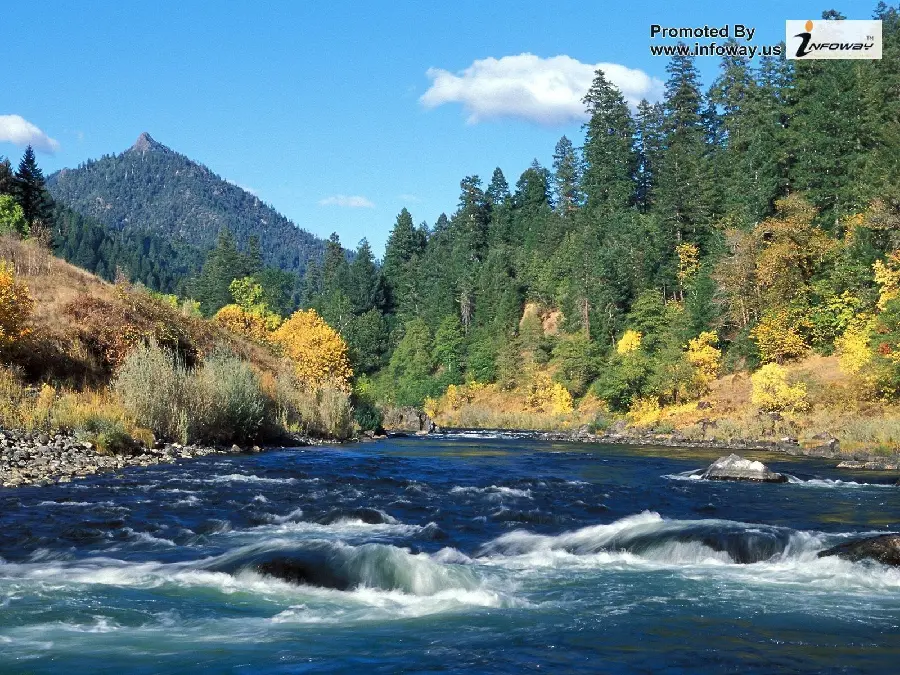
230	404
154	387
219	401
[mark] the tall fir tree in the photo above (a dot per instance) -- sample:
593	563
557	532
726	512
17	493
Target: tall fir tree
648	146
32	195
566	178
609	161
683	186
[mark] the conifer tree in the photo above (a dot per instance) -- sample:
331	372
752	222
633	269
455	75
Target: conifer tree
683	183
609	161
31	193
7	177
566	177
648	146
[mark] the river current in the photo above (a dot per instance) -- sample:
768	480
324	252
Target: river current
467	552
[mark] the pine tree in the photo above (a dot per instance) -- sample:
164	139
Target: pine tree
683	185
402	256
499	200
566	177
32	195
224	264
835	134
7	177
609	161
365	289
498	190
648	146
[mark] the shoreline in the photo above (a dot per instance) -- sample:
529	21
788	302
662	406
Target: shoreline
830	449
38	459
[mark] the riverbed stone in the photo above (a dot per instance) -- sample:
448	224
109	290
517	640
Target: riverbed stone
884	548
735	467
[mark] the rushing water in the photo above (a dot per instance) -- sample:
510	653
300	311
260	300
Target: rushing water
461	553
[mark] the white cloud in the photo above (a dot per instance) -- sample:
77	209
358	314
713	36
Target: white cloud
245	188
347	201
19	131
546	91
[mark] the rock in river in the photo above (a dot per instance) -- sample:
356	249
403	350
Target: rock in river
734	467
884	548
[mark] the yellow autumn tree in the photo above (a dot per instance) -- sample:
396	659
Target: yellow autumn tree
629	342
854	352
771	391
16	306
790	249
887	276
237	320
705	359
317	351
249	315
778	337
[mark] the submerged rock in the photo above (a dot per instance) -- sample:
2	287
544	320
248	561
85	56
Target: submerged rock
303	572
884	548
734	467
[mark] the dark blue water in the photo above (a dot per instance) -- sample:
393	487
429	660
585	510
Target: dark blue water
447	554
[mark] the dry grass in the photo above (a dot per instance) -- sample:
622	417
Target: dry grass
97	416
490	407
84	326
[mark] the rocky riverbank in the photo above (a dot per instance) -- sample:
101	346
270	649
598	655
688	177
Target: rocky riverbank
28	458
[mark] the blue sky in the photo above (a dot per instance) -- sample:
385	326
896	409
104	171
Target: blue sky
318	107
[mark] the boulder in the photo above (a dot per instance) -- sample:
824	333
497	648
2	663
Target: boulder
734	467
884	548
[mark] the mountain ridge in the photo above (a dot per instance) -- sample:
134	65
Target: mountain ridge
152	188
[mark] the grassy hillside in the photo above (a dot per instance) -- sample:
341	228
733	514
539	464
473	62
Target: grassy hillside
121	365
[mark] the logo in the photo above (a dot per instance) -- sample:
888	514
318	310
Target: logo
833	39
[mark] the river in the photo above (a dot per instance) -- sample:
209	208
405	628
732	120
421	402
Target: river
467	552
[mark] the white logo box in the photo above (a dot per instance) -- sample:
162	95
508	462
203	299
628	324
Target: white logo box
820	39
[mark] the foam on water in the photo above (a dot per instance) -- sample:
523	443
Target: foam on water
741	553
697	474
493	491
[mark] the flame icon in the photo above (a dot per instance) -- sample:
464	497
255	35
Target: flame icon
809	26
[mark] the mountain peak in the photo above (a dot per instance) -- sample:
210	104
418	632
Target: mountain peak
144	143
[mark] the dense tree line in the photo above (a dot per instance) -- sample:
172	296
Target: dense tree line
745	216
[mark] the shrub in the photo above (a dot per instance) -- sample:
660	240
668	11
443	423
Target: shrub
548	396
112	328
16	306
644	412
335	412
318	412
772	392
230	404
153	386
219	401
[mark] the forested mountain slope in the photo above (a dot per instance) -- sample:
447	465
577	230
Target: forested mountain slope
152	189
